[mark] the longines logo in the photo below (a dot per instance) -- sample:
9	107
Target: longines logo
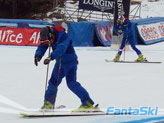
100	4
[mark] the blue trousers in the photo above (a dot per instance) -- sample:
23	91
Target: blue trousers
130	41
69	71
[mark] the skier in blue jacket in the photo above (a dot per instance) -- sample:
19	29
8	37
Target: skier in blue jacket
128	37
66	66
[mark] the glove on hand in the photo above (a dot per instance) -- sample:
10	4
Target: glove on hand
36	60
120	30
47	60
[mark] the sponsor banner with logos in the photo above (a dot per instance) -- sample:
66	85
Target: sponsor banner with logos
104	33
97	5
19	36
151	33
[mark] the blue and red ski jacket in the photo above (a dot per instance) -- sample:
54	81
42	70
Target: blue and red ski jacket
62	47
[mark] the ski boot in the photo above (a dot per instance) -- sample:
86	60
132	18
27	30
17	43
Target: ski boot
47	106
83	108
141	58
116	58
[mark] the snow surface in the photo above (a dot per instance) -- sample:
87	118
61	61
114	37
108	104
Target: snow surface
109	84
152	9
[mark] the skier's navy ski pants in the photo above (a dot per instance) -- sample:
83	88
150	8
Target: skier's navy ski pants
129	40
67	70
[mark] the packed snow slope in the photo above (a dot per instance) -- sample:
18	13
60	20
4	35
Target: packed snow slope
109	84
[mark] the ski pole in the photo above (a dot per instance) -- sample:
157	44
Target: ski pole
49	46
124	51
58	77
126	42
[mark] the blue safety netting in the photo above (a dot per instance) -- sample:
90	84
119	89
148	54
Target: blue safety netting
86	33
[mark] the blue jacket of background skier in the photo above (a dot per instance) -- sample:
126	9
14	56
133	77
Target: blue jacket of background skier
128	29
62	47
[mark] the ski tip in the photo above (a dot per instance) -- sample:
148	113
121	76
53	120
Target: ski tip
24	115
108	60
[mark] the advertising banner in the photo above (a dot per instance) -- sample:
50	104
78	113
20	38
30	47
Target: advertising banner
104	33
97	5
151	33
19	36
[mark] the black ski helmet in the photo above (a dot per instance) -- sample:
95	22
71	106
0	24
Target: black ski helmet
46	33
